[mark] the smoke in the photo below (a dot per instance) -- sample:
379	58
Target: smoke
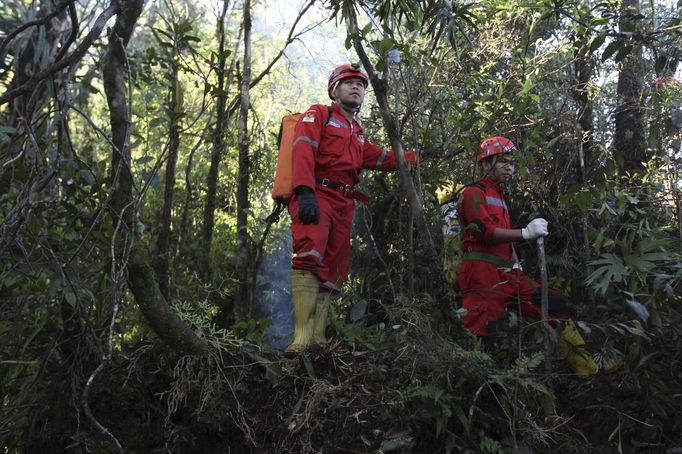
273	287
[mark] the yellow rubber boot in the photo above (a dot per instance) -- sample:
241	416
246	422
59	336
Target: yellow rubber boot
576	355
304	288
611	361
321	311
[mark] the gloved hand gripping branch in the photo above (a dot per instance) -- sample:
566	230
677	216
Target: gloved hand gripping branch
429	152
535	229
308	208
416	156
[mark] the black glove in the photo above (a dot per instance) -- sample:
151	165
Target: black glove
308	209
429	151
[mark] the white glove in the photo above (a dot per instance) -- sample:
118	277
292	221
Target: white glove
535	229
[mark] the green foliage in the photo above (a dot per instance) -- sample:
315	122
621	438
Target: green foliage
200	314
393	379
638	260
489	445
439	405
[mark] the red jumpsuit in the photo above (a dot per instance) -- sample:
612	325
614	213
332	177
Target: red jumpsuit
328	155
486	278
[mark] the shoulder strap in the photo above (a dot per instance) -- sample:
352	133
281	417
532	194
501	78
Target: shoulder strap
457	193
330	110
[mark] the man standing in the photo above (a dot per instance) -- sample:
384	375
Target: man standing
490	276
329	153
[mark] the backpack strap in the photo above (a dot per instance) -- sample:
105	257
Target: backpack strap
456	195
330	111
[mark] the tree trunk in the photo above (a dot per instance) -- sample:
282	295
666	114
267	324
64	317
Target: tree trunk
163	240
243	305
182	250
663	128
583	73
223	115
167	325
583	67
393	131
630	142
218	150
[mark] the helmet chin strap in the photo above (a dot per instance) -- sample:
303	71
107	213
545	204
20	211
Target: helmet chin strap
489	171
348	108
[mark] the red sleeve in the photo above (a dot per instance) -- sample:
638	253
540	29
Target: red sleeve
377	158
476	217
307	135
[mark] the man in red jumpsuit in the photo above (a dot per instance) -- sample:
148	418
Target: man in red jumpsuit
329	152
490	276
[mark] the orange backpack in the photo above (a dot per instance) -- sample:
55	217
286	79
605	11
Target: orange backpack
283	186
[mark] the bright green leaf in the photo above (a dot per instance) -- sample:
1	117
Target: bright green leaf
70	298
385	45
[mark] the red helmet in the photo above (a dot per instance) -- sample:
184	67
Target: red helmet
344	72
495	145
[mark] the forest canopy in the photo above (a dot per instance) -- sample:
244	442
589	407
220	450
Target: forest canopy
145	294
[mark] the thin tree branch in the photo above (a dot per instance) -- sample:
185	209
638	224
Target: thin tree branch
74	32
234	104
290	38
86	393
14	33
72	58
